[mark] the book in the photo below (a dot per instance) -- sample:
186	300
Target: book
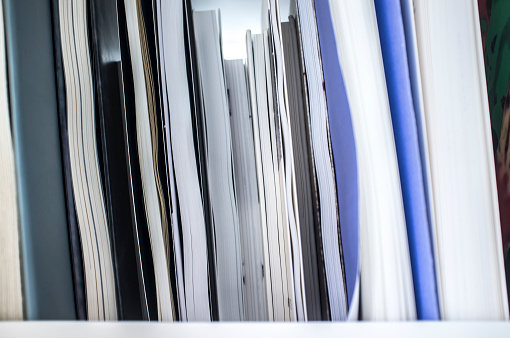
386	282
136	176
281	240
343	145
405	131
466	232
323	157
145	177
178	272
87	188
494	18
277	288
179	125
199	135
115	167
219	159
72	222
306	180
503	194
11	298
493	27
255	100
148	13
199	132
247	198
147	142
418	104
284	161
47	289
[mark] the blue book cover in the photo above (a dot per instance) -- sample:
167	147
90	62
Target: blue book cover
48	291
396	68
344	149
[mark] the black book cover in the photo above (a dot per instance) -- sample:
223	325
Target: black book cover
141	221
114	156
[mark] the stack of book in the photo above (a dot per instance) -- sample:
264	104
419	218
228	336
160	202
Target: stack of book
344	170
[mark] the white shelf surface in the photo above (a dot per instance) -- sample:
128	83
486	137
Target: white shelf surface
259	330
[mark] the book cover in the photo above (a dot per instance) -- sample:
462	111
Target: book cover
48	279
495	29
72	222
344	151
393	45
317	301
115	165
199	138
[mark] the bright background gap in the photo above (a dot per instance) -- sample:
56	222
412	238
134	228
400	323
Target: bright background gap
237	16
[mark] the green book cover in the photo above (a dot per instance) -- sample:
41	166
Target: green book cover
495	27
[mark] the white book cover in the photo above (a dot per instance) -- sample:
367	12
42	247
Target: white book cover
219	158
466	231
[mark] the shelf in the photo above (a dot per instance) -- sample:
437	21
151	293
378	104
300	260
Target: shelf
246	330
